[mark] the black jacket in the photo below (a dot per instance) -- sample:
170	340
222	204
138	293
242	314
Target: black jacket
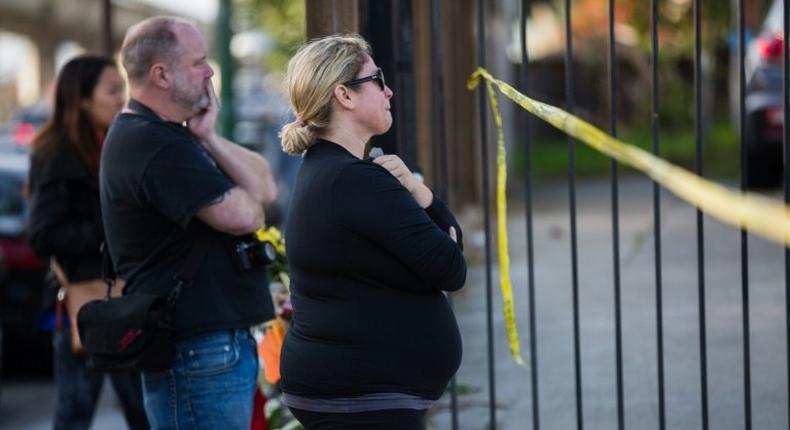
368	270
65	214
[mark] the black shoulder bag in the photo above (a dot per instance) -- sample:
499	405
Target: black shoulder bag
135	331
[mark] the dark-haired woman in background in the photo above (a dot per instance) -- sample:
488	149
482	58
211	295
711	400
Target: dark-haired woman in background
65	222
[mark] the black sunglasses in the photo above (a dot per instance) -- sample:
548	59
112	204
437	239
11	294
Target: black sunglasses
378	77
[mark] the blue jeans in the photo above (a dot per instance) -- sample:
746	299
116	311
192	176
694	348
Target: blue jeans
78	389
210	386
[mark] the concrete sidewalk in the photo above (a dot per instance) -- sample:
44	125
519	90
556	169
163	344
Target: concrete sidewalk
30	405
596	295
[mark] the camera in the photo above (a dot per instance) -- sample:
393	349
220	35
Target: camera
253	253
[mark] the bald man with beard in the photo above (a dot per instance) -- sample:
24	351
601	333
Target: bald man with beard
168	178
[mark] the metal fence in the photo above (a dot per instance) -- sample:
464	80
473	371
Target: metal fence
570	79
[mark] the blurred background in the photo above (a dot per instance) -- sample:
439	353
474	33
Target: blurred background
427	58
253	39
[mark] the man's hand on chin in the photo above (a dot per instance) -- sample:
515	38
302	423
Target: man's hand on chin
203	124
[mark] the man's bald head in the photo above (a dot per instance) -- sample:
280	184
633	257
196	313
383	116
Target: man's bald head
154	40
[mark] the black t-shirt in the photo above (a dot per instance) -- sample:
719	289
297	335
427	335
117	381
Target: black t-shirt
154	178
368	266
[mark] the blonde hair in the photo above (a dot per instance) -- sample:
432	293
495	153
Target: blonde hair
312	75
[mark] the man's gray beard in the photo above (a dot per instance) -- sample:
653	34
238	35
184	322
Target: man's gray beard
202	103
182	97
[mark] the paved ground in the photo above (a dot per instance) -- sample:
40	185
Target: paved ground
681	328
28	405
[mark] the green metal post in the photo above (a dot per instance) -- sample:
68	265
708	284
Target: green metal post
227	117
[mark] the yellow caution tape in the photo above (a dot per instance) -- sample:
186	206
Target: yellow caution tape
504	257
760	215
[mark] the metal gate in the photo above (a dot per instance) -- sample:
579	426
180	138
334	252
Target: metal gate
532	377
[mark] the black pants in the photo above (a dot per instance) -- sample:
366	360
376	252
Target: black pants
78	389
394	419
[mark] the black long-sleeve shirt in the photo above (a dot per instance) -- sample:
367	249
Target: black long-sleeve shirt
65	214
368	267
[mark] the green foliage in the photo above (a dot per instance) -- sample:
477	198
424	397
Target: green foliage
676	38
677	145
278	418
464	389
676	24
282	20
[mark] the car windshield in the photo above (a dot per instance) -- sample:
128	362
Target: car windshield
11	200
13	208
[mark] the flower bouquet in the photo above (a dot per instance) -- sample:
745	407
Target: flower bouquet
271	334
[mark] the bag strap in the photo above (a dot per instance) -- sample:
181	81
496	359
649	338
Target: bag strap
190	265
108	272
183	277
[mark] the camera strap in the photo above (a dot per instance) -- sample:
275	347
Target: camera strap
189	266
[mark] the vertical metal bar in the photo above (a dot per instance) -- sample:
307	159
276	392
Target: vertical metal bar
655	119
435	93
403	73
334	17
747	377
700	223
569	89
440	135
224	34
616	221
481	60
786	65
107	10
533	348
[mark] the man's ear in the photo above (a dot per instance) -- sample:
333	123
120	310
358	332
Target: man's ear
344	97
159	75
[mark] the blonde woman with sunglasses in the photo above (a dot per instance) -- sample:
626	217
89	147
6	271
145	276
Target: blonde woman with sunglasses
371	251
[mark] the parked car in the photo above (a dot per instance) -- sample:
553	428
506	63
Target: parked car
26	346
17	134
764	103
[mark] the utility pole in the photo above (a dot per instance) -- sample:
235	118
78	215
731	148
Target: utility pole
336	16
227	117
107	28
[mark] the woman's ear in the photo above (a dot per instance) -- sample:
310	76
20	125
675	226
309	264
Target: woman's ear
344	97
